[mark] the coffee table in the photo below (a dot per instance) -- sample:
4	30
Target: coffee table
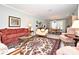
23	38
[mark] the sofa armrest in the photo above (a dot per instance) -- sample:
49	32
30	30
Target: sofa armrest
67	34
0	36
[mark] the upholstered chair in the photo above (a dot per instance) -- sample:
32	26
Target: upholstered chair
41	32
67	38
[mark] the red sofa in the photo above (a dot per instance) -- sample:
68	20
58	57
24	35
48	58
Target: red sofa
10	36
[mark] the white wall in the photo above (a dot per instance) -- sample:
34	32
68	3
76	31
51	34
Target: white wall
78	11
5	12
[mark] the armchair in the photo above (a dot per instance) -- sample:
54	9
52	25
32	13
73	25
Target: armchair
41	32
67	38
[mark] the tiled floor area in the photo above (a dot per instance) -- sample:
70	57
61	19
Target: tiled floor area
53	36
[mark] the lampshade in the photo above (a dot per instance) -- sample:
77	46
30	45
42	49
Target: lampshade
75	24
30	25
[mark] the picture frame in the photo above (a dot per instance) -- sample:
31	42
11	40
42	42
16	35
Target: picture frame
14	21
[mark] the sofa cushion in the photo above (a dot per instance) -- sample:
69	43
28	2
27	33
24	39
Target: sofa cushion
16	35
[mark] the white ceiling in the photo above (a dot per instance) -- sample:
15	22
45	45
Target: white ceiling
46	11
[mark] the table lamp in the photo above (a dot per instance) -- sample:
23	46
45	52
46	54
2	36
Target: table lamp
75	25
30	26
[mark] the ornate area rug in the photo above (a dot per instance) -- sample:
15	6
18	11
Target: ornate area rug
42	46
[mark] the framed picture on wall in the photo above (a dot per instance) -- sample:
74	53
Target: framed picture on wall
14	21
